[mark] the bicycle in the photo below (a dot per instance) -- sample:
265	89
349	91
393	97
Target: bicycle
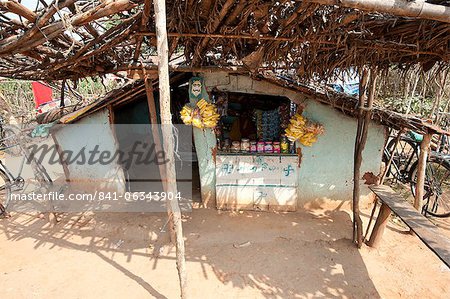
405	152
8	181
437	185
403	168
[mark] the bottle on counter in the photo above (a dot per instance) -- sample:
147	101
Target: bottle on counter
276	147
260	146
235	147
219	144
253	146
245	145
284	144
268	147
292	148
226	145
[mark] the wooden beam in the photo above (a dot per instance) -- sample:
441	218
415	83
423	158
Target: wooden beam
134	72
168	138
144	20
239	36
154	125
380	225
14	6
421	171
47	33
403	8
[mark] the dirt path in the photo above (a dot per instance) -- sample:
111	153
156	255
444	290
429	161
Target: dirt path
229	255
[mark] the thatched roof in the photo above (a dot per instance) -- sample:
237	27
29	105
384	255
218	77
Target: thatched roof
69	39
346	104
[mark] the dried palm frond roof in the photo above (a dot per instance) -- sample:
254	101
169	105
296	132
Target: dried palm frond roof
345	104
70	39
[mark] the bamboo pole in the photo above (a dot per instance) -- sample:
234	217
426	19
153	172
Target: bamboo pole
421	171
168	138
414	9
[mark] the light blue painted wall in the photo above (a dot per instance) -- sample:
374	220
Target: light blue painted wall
326	170
90	131
327	166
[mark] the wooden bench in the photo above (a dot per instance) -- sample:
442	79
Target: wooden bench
419	224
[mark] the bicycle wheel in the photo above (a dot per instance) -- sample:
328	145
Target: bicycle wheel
11	143
5	192
437	187
405	154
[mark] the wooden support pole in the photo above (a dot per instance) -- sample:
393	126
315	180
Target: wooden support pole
168	138
155	131
421	171
365	113
380	225
404	8
357	222
63	92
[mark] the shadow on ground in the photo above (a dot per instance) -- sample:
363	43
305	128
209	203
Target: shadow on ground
272	255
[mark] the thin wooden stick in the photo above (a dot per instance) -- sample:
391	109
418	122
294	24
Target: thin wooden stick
63	92
397	140
168	138
375	203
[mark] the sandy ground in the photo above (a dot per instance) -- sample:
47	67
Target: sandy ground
293	255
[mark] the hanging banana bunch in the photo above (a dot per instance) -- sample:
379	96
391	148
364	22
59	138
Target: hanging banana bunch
303	130
202	115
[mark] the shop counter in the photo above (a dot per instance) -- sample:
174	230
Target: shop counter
256	181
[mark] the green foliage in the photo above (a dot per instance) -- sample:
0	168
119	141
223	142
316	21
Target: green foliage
18	98
418	105
414	92
92	87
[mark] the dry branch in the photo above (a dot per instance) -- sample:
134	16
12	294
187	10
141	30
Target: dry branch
413	9
14	6
309	38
